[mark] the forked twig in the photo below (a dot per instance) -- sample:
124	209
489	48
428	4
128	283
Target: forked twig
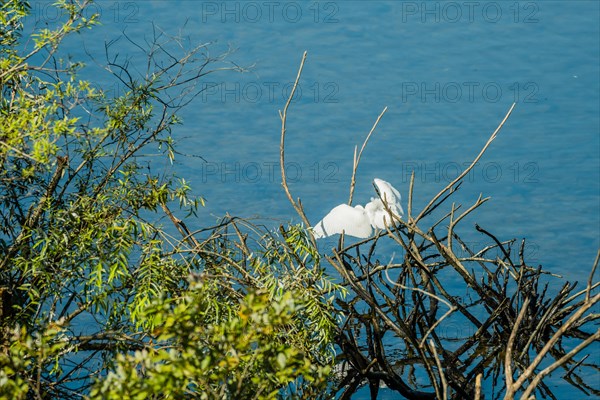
469	168
527	373
455	221
451	308
180	225
538	378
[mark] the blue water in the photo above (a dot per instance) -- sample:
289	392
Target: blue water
447	82
447	72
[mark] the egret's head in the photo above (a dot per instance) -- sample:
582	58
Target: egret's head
385	191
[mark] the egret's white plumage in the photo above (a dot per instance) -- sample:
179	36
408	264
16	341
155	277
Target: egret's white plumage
389	194
352	220
379	216
359	221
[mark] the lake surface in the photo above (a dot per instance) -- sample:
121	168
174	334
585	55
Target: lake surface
447	71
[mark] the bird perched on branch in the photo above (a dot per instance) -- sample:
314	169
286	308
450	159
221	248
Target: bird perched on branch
359	221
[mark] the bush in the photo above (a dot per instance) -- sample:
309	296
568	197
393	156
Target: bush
94	292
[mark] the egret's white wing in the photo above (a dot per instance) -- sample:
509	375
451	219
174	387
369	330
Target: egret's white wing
390	195
378	216
352	221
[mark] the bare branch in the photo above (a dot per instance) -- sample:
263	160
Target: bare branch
356	159
469	168
283	116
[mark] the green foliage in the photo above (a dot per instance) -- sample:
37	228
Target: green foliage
37	352
244	351
99	299
290	266
92	285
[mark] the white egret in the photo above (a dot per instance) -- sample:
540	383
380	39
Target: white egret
359	221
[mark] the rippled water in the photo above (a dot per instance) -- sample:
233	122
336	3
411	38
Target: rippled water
447	72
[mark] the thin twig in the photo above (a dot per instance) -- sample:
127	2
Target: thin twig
410	197
283	115
441	371
466	171
454	222
36	212
180	225
451	308
19	152
550	343
536	381
510	388
478	386
357	157
591	278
